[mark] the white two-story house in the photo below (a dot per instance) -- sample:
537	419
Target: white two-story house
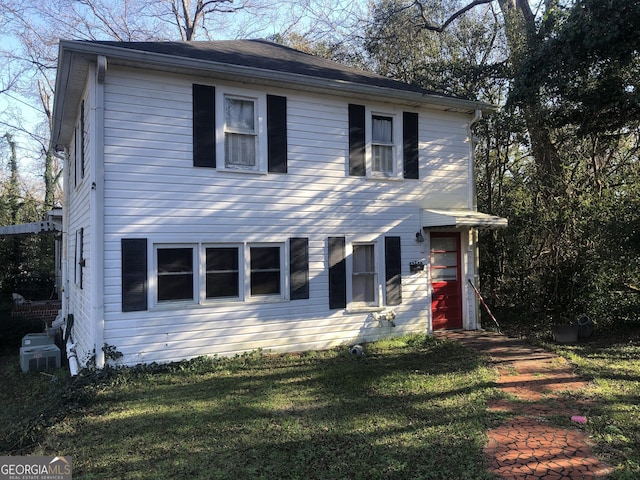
222	197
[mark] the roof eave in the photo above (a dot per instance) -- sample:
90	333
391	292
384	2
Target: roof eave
70	49
70	83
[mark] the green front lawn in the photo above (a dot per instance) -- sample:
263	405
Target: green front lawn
413	407
613	364
409	408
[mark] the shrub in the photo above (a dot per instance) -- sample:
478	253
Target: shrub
14	328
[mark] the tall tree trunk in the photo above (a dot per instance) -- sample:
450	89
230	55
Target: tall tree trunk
49	181
523	40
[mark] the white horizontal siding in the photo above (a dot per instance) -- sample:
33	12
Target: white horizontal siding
153	191
444	159
77	213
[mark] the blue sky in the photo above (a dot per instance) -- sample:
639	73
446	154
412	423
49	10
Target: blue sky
331	17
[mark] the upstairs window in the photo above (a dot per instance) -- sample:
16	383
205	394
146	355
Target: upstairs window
240	133
382	147
82	139
239	130
79	147
383	144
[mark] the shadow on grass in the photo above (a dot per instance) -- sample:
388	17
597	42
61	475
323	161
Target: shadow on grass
411	411
613	364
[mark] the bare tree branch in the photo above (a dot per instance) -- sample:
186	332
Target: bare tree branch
427	25
189	20
103	18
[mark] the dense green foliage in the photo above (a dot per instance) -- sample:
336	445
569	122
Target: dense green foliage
587	65
26	261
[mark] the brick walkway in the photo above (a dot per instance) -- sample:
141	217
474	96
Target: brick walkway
528	446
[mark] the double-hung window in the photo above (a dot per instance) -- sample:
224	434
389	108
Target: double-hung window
222	272
383	143
265	270
364	277
382	146
364	274
175	273
239	130
240	133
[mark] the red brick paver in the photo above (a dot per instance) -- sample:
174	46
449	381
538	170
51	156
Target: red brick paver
527	446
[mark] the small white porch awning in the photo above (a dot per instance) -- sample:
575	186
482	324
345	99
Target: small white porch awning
461	218
53	223
27	228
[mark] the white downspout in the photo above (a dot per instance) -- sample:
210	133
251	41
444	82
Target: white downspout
64	287
473	232
64	242
97	213
72	358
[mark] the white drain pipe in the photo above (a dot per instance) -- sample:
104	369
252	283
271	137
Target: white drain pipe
72	357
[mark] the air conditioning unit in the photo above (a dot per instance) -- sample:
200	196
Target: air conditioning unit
33	339
39	357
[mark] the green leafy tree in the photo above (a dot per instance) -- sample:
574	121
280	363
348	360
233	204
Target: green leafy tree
560	159
27	263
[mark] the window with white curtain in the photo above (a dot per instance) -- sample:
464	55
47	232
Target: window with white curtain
382	144
240	133
364	275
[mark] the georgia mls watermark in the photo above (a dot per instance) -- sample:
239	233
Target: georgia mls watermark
36	468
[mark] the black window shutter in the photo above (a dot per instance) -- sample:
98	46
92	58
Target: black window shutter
410	145
82	134
79	257
393	270
134	274
356	140
277	133
76	259
299	268
204	143
337	273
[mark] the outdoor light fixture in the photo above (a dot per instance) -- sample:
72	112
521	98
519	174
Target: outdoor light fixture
419	237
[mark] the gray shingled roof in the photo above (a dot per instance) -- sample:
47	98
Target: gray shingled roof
266	55
250	61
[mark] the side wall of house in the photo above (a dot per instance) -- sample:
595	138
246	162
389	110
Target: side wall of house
153	192
77	255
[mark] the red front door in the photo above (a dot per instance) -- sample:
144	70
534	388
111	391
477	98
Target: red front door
446	300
